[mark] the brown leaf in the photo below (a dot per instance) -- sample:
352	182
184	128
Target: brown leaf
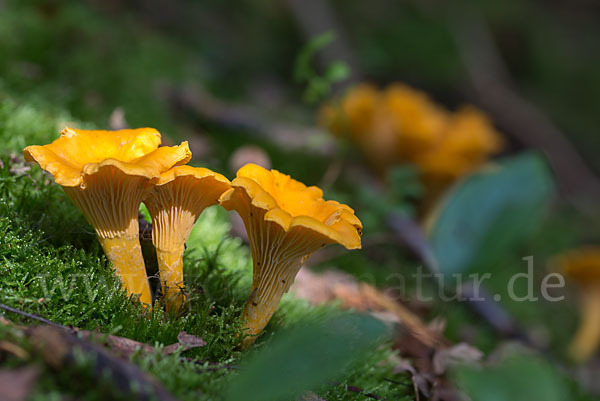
186	342
319	289
333	285
16	385
124	347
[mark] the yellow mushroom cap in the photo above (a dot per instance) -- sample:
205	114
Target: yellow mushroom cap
353	114
417	121
181	193
198	173
389	126
78	153
292	205
468	140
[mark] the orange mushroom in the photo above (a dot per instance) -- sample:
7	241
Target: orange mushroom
103	173
286	222
399	125
389	126
582	266
467	142
175	200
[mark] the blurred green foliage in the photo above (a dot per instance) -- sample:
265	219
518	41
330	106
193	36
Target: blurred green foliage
305	357
514	378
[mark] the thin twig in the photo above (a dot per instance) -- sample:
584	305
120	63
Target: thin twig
31	316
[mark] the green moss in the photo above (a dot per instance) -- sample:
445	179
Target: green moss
24	123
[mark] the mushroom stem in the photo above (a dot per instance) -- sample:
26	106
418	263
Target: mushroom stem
175	200
170	265
268	286
587	338
277	257
126	257
113	212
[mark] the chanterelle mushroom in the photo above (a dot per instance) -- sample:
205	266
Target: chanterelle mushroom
103	173
286	221
399	125
583	267
175	200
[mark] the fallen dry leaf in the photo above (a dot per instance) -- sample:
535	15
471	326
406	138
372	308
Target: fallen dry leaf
334	285
186	342
124	347
422	343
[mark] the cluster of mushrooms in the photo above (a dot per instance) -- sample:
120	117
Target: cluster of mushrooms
399	124
108	174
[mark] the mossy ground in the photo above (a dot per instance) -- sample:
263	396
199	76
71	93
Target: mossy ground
53	266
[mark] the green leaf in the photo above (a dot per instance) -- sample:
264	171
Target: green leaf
337	71
304	357
318	85
516	378
303	68
490	212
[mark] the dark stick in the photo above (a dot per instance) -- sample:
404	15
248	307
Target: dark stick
59	348
31	316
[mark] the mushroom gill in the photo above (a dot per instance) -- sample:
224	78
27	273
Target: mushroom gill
175	200
104	173
286	222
